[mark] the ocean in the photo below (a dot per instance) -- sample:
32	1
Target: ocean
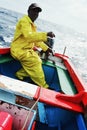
75	42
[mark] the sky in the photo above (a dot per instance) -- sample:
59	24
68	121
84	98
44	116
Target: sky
69	13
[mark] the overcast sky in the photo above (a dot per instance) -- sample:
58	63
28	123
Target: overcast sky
70	13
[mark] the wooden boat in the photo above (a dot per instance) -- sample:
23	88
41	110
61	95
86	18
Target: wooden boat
63	108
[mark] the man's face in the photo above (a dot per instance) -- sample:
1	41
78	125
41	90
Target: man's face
34	13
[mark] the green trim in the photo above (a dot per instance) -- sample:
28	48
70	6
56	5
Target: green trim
5	58
47	63
66	83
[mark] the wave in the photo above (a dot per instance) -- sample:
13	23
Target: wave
2	39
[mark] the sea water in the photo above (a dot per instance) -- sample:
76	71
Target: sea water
74	42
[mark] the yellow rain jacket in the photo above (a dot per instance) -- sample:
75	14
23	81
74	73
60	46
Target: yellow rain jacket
25	38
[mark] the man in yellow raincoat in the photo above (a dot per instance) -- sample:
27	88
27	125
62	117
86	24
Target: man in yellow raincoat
25	38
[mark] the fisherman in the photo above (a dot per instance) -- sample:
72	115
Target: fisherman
25	38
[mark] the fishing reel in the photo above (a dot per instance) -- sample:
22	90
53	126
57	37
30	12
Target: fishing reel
45	55
49	43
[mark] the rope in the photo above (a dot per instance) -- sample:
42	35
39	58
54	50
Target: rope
28	115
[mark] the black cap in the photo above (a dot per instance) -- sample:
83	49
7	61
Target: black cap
35	6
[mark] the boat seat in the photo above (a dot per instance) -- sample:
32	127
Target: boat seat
65	81
33	92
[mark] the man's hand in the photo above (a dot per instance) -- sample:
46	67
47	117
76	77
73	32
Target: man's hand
51	34
49	50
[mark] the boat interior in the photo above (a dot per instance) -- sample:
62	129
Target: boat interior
50	117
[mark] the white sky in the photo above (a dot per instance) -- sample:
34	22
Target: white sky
70	13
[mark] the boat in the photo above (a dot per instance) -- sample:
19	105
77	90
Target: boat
26	106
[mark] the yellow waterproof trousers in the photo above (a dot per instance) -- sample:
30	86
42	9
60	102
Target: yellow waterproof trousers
32	66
